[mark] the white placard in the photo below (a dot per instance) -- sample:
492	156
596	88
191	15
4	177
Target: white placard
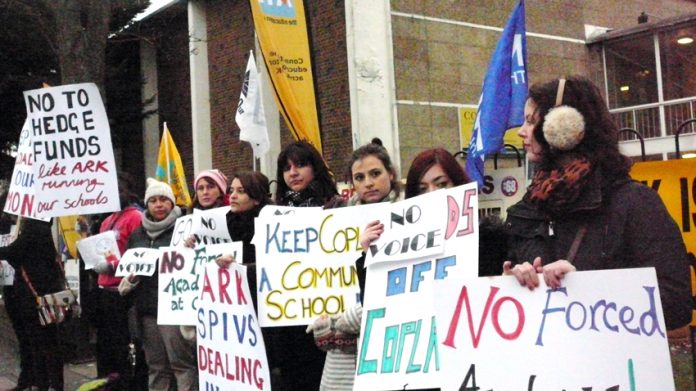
180	270
139	262
398	342
207	226
98	248
603	330
413	228
21	200
73	159
7	273
306	262
228	332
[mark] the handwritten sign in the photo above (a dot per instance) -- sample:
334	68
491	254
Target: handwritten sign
139	262
602	330
398	344
20	196
7	273
207	226
180	270
412	229
306	262
98	248
231	352
73	159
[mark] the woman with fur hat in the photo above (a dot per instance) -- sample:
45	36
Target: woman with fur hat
171	359
582	210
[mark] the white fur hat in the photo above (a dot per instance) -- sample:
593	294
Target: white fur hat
157	188
564	128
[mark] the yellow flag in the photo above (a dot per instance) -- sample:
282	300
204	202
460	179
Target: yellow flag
70	235
282	31
170	170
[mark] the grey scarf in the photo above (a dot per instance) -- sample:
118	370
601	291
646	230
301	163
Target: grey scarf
153	229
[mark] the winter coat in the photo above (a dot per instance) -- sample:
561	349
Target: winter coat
627	227
146	292
123	223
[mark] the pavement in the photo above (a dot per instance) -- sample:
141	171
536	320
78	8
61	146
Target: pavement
76	373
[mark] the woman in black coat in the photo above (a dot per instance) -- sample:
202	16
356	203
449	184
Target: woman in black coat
34	253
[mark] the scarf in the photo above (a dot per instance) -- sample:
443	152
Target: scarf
355	199
241	225
153	229
554	190
309	196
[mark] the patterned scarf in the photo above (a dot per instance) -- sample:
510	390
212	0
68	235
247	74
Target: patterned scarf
554	190
309	196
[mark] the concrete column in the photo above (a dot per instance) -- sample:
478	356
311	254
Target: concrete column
200	86
371	74
148	71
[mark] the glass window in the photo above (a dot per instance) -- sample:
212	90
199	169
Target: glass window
631	78
678	61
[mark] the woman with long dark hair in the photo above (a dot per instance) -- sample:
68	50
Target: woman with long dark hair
582	210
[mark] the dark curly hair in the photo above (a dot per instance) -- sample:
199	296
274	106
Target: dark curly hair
302	153
600	143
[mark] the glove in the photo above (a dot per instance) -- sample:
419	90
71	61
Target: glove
103	267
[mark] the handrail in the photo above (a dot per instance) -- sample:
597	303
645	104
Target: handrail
640	138
676	135
517	152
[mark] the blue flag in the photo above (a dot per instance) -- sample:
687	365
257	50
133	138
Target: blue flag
505	87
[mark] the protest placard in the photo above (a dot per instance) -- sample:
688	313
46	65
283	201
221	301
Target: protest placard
72	275
602	330
180	270
413	228
398	344
98	248
73	159
306	262
231	352
206	226
139	262
20	196
7	273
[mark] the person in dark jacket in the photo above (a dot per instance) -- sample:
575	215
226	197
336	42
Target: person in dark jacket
34	253
171	359
582	210
304	180
249	192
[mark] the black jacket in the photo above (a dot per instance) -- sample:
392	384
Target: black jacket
627	227
145	293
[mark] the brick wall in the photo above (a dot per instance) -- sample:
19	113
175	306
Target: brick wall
230	38
327	24
173	80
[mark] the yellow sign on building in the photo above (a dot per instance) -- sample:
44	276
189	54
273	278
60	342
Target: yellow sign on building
675	183
467	116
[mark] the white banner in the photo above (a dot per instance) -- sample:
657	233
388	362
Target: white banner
207	226
412	229
72	275
180	270
398	343
139	262
21	199
73	159
602	330
98	248
231	352
306	262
